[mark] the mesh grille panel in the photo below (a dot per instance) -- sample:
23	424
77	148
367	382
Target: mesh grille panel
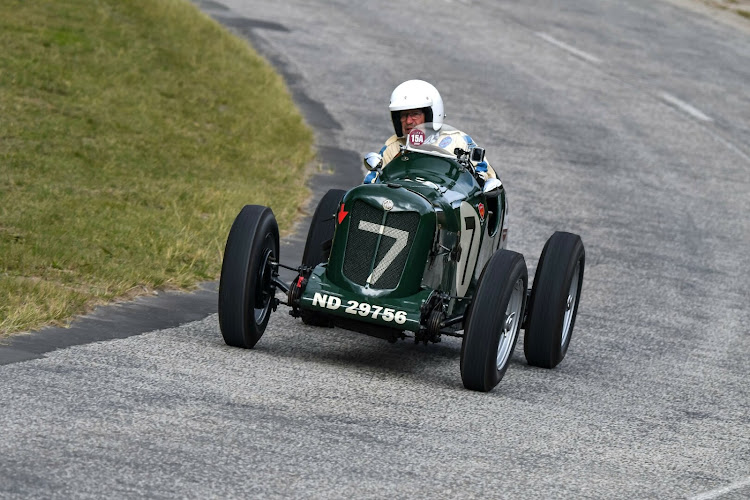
364	233
403	221
360	245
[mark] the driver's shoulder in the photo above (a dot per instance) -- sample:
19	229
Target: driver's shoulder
463	136
391	140
456	133
453	131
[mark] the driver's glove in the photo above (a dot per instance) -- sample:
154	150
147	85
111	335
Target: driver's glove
481	170
371	178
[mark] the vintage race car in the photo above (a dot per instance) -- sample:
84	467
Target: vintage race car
420	254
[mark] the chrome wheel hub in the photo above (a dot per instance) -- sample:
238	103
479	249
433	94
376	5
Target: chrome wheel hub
570	306
511	324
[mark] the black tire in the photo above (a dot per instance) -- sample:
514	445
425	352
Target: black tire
322	227
318	244
494	320
555	295
245	288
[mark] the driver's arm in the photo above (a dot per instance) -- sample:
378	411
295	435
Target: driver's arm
389	151
483	168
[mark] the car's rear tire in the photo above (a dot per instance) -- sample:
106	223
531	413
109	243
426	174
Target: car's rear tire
553	304
494	320
246	292
318	244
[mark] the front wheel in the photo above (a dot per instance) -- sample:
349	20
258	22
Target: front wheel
555	295
322	227
318	243
494	321
246	290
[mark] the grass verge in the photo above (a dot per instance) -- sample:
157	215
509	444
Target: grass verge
131	134
739	7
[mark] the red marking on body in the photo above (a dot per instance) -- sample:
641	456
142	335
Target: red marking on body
342	213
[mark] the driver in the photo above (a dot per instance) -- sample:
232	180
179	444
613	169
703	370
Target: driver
413	103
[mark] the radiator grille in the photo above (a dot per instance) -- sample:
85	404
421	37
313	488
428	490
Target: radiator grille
362	245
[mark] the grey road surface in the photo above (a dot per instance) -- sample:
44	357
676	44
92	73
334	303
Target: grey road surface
625	122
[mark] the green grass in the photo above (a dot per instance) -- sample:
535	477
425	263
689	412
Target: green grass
131	134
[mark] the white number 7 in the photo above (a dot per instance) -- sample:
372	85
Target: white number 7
401	237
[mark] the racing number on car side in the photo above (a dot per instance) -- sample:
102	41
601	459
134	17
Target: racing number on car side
470	225
401	237
470	237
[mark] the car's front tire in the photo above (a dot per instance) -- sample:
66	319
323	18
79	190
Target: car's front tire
322	227
318	243
494	320
246	292
555	295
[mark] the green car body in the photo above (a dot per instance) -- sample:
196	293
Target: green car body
420	254
407	252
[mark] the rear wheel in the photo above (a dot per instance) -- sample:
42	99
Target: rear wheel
555	295
494	321
318	244
246	289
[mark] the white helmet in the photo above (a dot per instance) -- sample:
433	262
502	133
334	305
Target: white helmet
417	94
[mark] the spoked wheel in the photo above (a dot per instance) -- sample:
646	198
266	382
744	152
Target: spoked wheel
318	243
246	288
554	300
494	321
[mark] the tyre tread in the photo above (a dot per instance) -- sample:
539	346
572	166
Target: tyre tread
487	313
552	280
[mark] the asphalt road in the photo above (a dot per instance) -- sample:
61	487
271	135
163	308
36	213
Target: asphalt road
625	122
